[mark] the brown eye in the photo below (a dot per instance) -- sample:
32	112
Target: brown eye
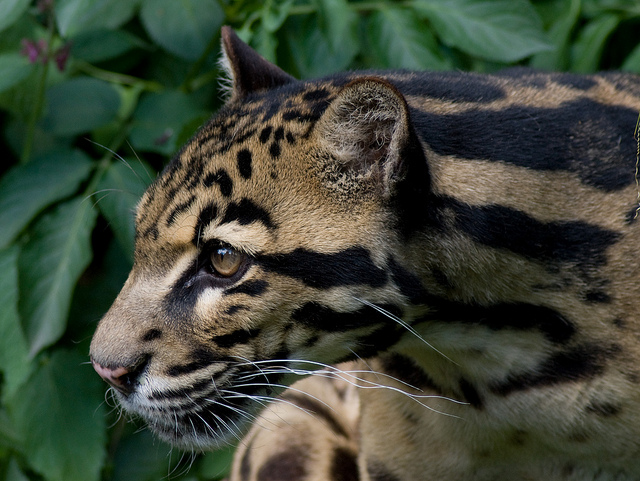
226	261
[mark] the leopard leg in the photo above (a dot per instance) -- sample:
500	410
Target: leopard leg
310	434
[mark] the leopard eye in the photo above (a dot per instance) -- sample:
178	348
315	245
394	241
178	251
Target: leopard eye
226	261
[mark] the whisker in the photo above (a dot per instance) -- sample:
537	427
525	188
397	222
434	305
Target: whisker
264	400
404	324
139	161
352	377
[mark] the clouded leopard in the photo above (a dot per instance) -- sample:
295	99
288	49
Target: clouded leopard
453	255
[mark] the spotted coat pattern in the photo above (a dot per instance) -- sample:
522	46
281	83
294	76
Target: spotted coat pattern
453	255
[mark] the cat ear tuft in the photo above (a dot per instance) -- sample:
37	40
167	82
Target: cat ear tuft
248	71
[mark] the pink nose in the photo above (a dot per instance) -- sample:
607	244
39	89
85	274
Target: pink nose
120	377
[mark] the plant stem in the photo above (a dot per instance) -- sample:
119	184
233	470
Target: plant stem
40	91
117	78
35	113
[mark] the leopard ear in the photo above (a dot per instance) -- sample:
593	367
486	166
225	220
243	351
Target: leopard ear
367	129
248	71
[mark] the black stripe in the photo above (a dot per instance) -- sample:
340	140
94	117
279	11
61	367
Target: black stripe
179	209
517	315
318	410
597	297
579	82
151	231
501	227
265	134
577	364
193	176
246	212
452	86
291	464
541	139
231	310
324	318
238	139
352	266
344	465
406	370
222	179
254	287
409	284
301	117
372	344
470	394
200	359
151	335
244	163
604	408
274	150
241	336
245	463
316	94
182	393
206	216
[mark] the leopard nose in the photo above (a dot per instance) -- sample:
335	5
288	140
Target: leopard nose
121	378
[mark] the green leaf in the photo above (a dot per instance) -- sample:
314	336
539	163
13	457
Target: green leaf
274	13
497	30
79	105
311	52
561	16
95	294
399	40
159	119
587	49
338	24
13	69
9	436
50	264
75	16
595	8
265	43
632	62
182	27
59	411
141	457
11	10
27	189
100	45
14	473
118	193
14	354
216	465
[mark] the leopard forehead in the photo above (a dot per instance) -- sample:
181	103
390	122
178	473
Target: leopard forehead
247	174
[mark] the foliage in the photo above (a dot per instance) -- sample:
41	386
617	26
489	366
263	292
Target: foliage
95	95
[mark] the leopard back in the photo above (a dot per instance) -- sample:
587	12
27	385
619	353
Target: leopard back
470	240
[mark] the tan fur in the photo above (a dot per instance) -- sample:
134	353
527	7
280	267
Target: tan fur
456	399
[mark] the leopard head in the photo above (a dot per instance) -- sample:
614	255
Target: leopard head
269	247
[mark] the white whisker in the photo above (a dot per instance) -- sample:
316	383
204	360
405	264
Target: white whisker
404	324
353	377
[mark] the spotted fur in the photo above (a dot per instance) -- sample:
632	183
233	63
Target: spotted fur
466	243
